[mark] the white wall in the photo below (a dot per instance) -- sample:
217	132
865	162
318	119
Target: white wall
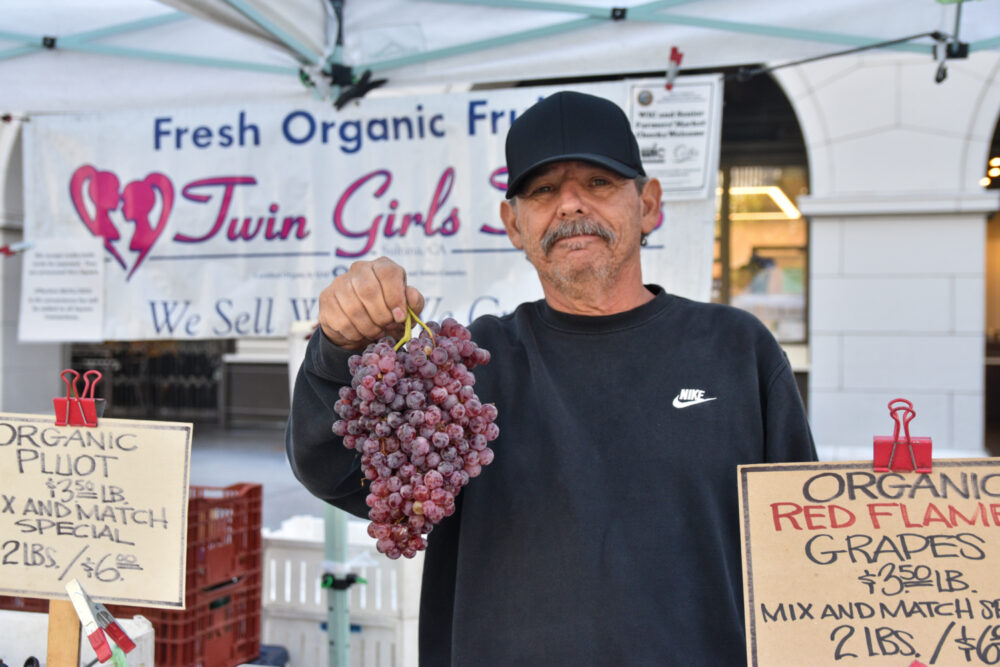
897	246
29	373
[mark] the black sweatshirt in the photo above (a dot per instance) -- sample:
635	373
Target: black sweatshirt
606	531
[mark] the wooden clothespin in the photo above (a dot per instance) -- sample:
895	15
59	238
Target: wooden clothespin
98	623
673	66
12	249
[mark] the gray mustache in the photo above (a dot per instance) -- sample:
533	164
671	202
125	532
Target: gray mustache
574	228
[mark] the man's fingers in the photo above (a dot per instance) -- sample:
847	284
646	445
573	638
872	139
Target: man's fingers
392	279
415	299
370	305
355	321
366	302
336	323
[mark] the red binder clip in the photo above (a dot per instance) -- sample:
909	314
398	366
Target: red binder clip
98	623
79	409
892	452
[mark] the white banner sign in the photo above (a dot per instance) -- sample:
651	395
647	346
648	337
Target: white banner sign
227	222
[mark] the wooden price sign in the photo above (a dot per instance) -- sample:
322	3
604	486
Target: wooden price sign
844	565
105	504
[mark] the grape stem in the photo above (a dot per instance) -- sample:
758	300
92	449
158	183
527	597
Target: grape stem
408	333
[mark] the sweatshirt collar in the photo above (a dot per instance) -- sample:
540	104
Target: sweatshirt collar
605	323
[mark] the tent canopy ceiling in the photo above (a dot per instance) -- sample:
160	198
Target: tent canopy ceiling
116	53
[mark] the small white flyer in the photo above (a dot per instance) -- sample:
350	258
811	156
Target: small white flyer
678	131
62	291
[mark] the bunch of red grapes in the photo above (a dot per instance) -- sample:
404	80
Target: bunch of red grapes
422	432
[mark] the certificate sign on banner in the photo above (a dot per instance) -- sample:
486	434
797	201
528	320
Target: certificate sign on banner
678	131
62	291
843	565
106	505
227	222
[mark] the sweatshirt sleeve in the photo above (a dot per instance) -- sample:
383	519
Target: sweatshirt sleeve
317	457
787	436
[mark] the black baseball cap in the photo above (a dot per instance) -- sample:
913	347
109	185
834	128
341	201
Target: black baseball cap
571	126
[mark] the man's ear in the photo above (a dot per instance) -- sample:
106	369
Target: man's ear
508	215
650	197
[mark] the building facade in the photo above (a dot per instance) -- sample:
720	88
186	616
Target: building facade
898	229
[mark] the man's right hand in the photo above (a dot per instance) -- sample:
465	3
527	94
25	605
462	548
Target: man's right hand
366	303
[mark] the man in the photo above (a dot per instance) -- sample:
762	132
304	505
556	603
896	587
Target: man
605	532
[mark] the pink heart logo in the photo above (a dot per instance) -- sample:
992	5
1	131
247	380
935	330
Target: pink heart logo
102	190
95	195
138	200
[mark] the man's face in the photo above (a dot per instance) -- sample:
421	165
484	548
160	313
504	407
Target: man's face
580	224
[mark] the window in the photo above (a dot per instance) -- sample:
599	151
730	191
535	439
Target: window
761	246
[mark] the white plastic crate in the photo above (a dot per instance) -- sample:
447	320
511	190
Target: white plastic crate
25	633
384	611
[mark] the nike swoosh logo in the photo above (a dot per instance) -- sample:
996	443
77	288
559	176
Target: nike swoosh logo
678	403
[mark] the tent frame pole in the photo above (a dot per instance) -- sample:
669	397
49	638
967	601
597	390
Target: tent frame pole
84	42
647	12
471	47
308	56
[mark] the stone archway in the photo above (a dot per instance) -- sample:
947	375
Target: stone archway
897	233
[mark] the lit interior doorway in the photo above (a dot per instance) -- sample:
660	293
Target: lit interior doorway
761	238
991	397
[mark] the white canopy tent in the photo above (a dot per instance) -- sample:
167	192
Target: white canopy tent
62	55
